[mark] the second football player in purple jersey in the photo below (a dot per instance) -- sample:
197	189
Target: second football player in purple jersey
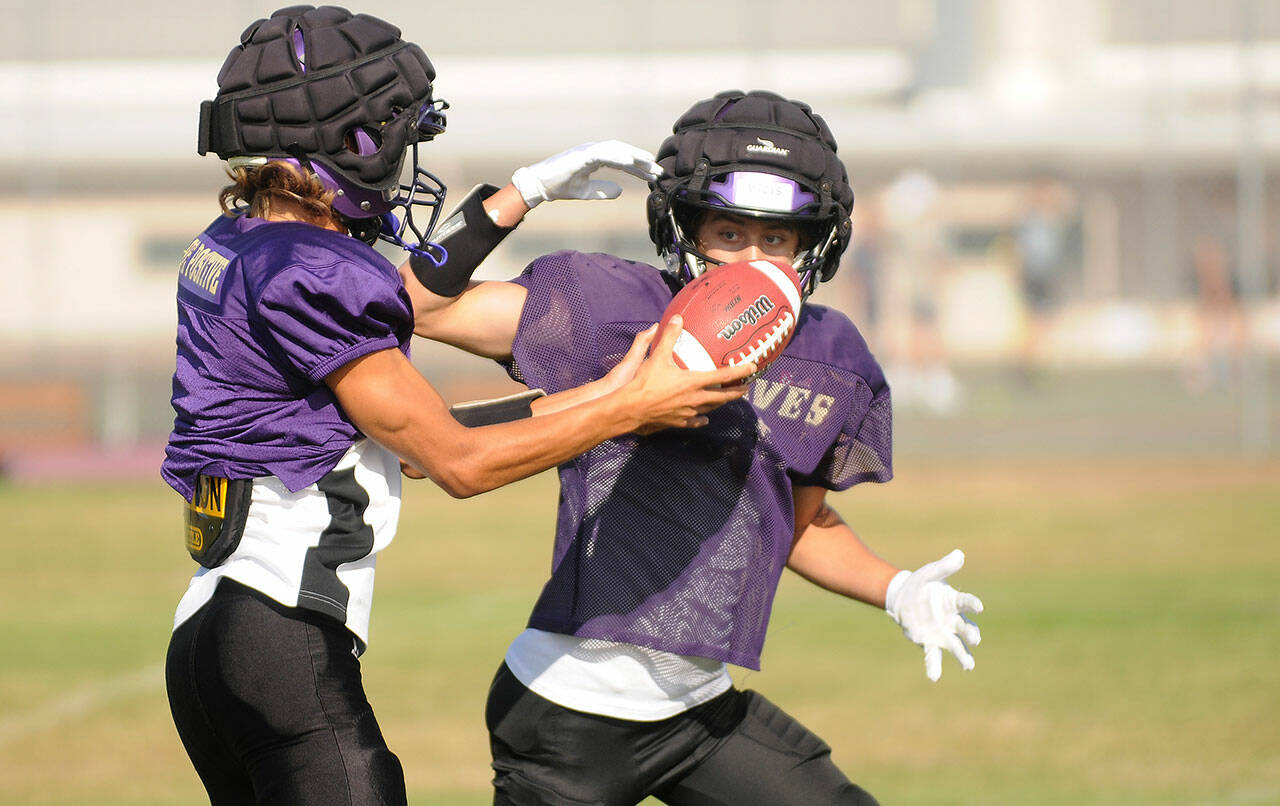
669	547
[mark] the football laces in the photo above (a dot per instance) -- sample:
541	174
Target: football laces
765	346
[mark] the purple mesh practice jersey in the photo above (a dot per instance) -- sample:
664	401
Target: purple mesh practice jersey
677	540
267	309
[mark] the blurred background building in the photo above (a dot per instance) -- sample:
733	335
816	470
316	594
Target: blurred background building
1065	233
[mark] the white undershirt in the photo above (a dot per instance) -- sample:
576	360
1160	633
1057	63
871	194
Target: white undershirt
624	681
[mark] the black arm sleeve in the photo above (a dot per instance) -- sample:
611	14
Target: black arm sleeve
468	235
499	410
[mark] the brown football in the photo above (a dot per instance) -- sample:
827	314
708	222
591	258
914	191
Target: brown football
734	313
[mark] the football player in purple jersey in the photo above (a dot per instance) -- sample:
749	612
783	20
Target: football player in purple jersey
295	400
669	547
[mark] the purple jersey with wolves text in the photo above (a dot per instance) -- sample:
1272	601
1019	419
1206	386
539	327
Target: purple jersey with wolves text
677	540
267	309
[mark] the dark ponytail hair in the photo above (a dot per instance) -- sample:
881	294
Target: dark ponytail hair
254	188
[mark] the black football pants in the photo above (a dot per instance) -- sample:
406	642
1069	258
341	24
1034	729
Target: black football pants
738	749
270	706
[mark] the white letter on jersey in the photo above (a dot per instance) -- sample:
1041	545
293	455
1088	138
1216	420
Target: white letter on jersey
819	410
791	406
763	392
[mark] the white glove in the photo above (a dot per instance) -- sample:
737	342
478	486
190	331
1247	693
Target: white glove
929	611
567	175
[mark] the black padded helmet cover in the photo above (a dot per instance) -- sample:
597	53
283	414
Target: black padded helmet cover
352	72
752	131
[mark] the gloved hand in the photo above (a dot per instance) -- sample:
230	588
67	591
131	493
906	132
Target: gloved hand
567	175
930	612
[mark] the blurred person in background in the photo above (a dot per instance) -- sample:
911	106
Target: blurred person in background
669	547
1220	325
866	262
1042	239
919	367
295	400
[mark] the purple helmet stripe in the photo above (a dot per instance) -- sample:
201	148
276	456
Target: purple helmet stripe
300	49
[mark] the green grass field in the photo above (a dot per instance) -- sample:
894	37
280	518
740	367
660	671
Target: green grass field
1130	641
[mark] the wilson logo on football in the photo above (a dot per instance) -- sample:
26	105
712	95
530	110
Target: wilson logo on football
737	312
754	313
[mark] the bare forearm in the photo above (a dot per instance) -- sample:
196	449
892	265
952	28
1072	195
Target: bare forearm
659	395
491	456
481	320
390	402
617	377
505	207
830	555
570	397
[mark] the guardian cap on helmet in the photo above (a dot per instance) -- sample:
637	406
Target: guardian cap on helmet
341	95
753	154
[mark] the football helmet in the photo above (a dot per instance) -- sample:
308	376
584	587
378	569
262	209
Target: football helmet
342	96
753	154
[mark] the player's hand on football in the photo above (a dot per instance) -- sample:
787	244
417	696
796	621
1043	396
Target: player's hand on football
673	397
567	175
932	613
627	368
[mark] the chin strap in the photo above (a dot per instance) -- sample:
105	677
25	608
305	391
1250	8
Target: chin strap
391	231
362	229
